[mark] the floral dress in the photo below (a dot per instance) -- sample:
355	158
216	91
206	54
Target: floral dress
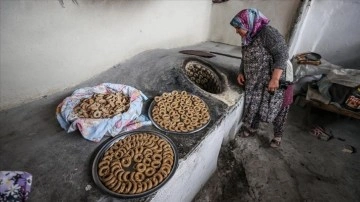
266	52
15	185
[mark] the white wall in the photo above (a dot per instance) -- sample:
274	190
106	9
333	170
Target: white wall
45	48
280	12
332	28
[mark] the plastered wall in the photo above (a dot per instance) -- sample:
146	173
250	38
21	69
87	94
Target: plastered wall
282	13
331	28
45	48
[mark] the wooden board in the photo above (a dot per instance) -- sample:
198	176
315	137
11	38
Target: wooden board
329	107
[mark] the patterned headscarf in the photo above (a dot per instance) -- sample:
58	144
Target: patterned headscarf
251	20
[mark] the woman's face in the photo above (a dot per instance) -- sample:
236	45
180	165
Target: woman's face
241	32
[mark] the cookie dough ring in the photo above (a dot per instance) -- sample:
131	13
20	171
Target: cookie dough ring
120	175
122	188
144	186
157	149
190	114
128	146
194	119
206	117
108	177
165	168
126	176
159	177
198	125
183	129
118	155
190	127
97	114
117	186
167	146
149	184
204	121
148	155
155	181
108	157
156	157
118	171
161	143
150	144
149	171
147	162
168	160
138	158
156	164
103	163
183	93
161	124
128	187
139	176
197	108
132	176
115	168
110	182
194	124
147	151
103	171
139	188
126	162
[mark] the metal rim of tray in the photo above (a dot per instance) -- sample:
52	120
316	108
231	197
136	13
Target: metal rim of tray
121	136
174	132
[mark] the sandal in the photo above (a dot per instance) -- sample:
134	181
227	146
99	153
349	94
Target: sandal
320	133
275	142
247	133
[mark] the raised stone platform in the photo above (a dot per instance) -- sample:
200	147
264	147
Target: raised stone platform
31	139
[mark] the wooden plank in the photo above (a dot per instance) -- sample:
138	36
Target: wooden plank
330	108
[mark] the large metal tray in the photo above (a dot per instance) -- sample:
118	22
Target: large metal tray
117	138
174	132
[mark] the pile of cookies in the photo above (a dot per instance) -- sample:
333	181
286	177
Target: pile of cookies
180	111
101	106
204	77
136	164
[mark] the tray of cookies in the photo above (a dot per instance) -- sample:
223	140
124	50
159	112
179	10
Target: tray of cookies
102	106
135	164
179	112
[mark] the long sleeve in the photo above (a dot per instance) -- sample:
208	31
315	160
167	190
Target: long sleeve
275	43
241	70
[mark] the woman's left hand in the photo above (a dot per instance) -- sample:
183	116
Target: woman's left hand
273	85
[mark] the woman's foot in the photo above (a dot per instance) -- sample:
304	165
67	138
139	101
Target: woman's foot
275	142
247	132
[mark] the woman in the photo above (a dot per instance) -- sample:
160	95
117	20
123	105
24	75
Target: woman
264	57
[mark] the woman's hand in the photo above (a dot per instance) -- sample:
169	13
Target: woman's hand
241	79
273	85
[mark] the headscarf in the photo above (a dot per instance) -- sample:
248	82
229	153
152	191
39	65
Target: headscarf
251	20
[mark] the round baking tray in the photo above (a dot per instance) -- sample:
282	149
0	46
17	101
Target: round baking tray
117	138
174	132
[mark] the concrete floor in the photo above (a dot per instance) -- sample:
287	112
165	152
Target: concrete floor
303	169
32	140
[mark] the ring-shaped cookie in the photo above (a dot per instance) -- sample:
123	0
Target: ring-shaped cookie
149	171
139	176
126	162
156	157
141	167
156	164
